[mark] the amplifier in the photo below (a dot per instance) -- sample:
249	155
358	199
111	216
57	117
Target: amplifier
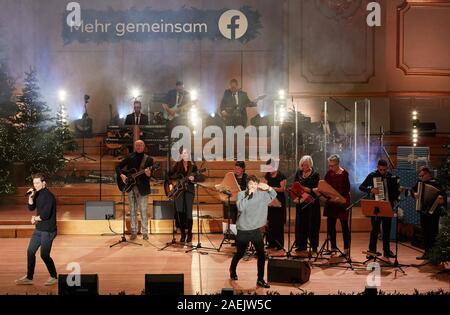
288	271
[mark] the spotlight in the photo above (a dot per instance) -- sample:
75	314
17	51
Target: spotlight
193	116
414	113
194	95
212	115
415	136
262	114
414	140
62	95
121	116
135	93
415	132
281	94
414	145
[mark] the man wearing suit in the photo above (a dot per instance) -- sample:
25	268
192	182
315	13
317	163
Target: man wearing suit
233	107
137	118
174	102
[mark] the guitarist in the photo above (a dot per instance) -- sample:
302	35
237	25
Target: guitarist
138	196
184	171
175	101
233	107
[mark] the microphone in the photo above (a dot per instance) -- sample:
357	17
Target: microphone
30	192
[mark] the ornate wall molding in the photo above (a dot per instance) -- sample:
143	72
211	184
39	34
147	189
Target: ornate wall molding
336	45
405	57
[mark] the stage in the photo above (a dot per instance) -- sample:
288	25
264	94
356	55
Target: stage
121	269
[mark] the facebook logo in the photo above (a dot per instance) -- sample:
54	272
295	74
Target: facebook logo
233	24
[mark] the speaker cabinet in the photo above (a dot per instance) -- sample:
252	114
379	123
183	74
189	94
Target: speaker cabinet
99	210
88	285
163	210
288	271
164	284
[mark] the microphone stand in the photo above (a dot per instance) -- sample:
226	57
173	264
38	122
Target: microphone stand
199	244
123	239
348	259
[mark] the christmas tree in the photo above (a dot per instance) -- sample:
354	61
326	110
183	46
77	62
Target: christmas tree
7	108
441	251
37	145
63	132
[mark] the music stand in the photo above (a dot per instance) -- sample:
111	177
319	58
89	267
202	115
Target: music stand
376	208
381	208
227	235
85	117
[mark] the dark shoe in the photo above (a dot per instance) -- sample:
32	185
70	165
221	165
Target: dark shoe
182	238
189	237
233	275
145	237
389	254
262	284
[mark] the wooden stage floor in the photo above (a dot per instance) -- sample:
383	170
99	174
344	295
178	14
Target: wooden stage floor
122	268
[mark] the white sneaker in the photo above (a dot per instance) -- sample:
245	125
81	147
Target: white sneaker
51	281
24	280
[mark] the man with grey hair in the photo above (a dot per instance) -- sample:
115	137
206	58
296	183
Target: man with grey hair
138	196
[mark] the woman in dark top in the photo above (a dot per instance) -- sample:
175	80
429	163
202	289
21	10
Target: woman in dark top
338	178
276	215
184	171
307	223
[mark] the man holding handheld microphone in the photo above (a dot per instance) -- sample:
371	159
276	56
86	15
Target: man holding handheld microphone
44	202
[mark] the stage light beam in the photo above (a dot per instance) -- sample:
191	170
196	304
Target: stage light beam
62	95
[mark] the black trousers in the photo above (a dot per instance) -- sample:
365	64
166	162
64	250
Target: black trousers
275	234
243	238
44	240
307	226
331	230
430	229
376	223
233	213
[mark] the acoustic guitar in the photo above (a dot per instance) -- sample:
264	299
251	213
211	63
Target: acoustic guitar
132	176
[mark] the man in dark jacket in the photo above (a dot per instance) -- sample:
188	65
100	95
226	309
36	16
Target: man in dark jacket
233	107
430	221
368	187
44	202
136	118
138	196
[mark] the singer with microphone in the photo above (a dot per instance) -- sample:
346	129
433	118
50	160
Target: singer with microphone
44	202
252	215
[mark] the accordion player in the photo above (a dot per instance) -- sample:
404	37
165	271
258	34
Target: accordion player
427	198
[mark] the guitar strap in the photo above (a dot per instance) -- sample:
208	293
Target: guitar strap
144	160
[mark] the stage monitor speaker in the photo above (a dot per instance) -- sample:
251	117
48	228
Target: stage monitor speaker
88	285
163	210
288	271
227	291
164	284
99	210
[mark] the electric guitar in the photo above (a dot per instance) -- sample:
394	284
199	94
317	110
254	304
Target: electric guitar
170	113
132	175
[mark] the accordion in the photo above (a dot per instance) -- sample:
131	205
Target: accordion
427	199
388	188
